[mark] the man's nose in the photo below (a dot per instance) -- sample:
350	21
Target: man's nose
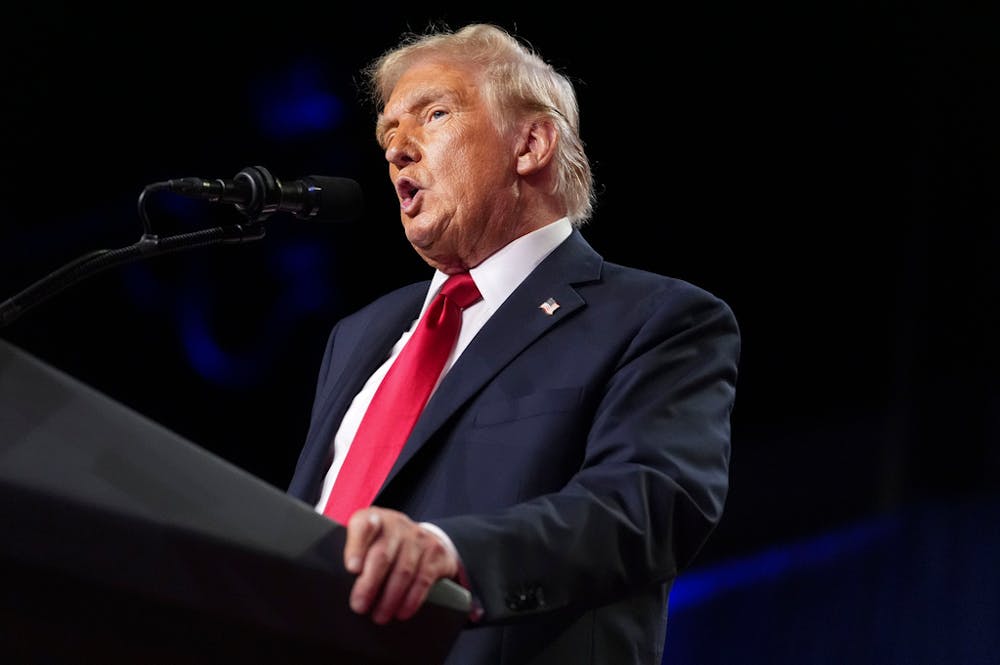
401	150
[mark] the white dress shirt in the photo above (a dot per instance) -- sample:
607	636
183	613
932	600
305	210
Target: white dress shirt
496	278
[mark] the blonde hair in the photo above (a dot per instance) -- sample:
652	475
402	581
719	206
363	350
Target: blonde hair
516	82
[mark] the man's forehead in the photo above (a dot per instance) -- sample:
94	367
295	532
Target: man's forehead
404	100
414	97
435	72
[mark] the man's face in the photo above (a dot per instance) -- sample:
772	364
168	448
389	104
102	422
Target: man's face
454	173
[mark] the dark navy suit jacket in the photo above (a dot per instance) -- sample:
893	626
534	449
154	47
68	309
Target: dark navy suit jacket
577	460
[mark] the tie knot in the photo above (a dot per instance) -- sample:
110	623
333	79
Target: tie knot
461	290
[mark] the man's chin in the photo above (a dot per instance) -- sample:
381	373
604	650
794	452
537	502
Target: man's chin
421	233
446	262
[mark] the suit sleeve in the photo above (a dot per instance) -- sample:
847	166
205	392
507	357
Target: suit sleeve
652	484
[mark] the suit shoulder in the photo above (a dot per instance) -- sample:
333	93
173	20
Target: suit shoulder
654	286
399	298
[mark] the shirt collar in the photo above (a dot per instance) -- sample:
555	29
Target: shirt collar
505	269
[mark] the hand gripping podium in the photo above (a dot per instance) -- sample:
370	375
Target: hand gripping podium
122	542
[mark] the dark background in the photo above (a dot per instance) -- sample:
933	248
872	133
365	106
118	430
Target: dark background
829	169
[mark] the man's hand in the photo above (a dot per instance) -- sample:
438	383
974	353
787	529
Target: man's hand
396	561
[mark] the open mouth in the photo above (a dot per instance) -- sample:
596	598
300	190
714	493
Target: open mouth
407	191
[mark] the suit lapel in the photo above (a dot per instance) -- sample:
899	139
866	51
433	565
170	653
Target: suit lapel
518	323
366	342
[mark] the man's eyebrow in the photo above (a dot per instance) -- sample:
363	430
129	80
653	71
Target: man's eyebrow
421	100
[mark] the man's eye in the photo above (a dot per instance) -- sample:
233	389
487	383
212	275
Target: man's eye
438	114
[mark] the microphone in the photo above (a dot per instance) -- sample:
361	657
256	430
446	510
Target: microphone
258	194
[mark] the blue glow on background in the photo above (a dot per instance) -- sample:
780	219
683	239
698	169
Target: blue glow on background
700	586
299	269
189	210
302	267
918	587
296	103
206	355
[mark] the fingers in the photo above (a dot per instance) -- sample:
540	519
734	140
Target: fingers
413	597
397	562
398	580
369	552
422	561
362	529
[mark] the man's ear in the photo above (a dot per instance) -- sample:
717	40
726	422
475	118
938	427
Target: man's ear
538	145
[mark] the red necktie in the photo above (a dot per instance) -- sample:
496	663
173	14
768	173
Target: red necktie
399	400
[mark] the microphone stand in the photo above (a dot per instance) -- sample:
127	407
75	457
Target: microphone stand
149	245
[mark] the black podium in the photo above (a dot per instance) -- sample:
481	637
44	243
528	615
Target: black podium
124	542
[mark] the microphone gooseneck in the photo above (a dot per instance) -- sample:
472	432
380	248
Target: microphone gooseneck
258	194
254	192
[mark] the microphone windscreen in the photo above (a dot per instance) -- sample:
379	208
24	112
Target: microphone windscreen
339	199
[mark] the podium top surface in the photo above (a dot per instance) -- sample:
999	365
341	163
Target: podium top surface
85	474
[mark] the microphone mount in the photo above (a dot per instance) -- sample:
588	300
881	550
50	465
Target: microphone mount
254	190
256	193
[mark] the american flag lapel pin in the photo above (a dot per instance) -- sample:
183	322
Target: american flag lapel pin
549	306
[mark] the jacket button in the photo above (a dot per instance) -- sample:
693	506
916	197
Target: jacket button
523	599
